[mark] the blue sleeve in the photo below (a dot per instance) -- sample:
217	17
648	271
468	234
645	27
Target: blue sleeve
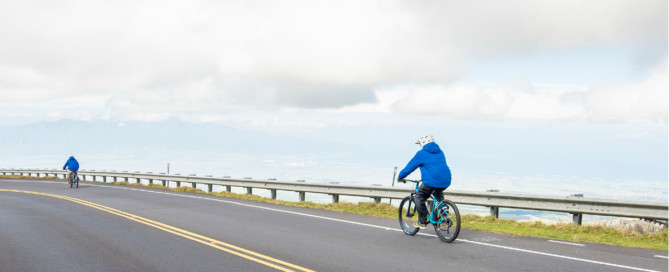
411	166
66	163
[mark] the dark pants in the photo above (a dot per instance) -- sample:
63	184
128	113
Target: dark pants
423	194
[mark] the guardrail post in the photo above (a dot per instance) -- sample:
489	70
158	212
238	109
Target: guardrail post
335	198
273	193
249	190
303	196
138	181
150	181
93	177
83	177
377	200
228	188
577	217
494	211
210	188
193	184
164	183
104	179
178	183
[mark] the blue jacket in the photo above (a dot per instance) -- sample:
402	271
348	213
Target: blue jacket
433	168
72	163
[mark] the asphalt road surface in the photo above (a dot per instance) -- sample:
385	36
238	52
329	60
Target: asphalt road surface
46	226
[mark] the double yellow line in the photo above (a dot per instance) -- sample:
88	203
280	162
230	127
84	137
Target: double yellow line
232	249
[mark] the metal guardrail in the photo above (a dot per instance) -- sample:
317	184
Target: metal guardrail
575	205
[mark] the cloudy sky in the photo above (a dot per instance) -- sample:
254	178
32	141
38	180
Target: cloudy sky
590	68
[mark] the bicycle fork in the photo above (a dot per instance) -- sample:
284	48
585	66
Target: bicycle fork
411	211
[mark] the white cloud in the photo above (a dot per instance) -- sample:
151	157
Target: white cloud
157	59
519	27
640	101
461	99
539	105
309	53
645	100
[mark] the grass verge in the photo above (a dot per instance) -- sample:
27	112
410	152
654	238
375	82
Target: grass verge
25	177
562	231
568	232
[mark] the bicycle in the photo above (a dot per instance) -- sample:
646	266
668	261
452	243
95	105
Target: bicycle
444	216
73	179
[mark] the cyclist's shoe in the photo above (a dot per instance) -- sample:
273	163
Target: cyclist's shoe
421	224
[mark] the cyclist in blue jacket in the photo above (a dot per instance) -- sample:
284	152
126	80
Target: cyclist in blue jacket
73	165
434	172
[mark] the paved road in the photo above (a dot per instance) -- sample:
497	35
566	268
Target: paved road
116	228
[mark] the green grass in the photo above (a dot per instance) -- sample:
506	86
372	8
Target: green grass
568	232
27	177
561	231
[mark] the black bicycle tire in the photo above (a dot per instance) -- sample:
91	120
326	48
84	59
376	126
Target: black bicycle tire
77	180
70	180
400	211
453	211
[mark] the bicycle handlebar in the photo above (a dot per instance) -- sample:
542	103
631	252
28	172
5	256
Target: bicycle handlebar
410	180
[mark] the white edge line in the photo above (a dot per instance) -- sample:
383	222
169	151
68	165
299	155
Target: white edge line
566	243
660	256
560	256
382	227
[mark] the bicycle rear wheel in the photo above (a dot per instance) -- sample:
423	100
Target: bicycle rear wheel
71	180
408	216
77	180
449	228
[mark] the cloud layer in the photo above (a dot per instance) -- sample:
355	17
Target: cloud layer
153	59
638	101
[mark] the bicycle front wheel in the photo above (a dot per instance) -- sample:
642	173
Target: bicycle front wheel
449	228
408	216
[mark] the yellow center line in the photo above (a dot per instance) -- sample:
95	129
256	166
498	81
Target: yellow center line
232	249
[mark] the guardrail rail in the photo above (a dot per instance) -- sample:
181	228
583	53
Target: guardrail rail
575	205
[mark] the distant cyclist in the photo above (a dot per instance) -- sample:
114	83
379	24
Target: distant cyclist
435	174
73	165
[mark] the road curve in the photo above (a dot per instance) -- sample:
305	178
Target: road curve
46	226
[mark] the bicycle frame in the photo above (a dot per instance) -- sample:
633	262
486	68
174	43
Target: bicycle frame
73	178
430	211
73	174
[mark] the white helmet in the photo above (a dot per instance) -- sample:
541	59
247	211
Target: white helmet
422	141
